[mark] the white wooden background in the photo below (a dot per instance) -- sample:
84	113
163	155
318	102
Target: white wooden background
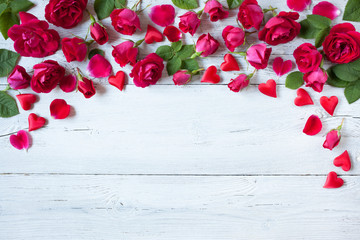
168	162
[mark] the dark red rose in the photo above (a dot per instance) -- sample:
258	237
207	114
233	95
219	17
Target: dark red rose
18	78
342	45
98	33
86	87
46	76
74	49
33	38
65	13
147	71
280	29
125	21
250	14
307	57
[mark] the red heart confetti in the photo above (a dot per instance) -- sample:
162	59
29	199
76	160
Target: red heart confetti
303	98
210	75
59	109
153	35
268	88
20	140
118	80
229	64
329	104
26	100
35	122
343	161
333	181
313	125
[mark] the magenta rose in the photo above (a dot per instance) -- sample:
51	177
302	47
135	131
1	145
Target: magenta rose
342	45
239	83
189	22
147	71
33	38
98	33
125	53
307	57
280	29
74	49
258	55
316	79
181	77
125	21
207	45
332	139
65	13
18	78
215	10
250	14
46	76
233	37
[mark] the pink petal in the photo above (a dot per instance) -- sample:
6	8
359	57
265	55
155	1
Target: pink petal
59	109
280	67
20	140
162	15
298	5
68	83
313	125
99	67
326	9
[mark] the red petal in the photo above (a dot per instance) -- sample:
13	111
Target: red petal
68	83
333	181
172	33
21	140
281	67
210	75
230	63
329	104
153	35
162	15
298	5
118	80
326	9
26	100
99	67
313	125
59	109
35	122
303	98
343	161
268	88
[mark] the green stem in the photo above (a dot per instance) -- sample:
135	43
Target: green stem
136	5
341	125
196	71
138	43
7	88
239	53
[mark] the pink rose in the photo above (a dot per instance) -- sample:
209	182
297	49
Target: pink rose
162	15
207	45
98	33
125	21
125	53
74	49
18	78
233	37
307	57
250	14
46	76
147	71
86	87
239	83
189	22
316	79
332	139
33	38
258	55
215	10
181	77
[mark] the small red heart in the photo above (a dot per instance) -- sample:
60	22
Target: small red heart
153	35
313	125
59	109
303	98
333	181
268	88
35	122
210	75
329	104
26	100
343	161
230	63
118	80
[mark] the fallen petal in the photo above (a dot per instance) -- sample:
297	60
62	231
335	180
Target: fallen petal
99	67
162	15
68	83
118	80
326	9
59	109
298	5
20	140
281	67
26	100
172	33
313	125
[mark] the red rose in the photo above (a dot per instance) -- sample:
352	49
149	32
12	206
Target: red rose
280	29
98	33
125	21
258	55
46	76
307	57
215	10
189	22
239	83
147	71
86	87
233	37
316	79
18	78
250	14
33	38
65	13
342	45
125	53
74	49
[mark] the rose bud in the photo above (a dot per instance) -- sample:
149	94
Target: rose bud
74	49
189	22
233	37
125	53
250	14
181	77
280	29
18	78
207	45
65	13
125	21
316	79
239	83
147	71
258	55
342	45
98	33
46	76
173	34
86	87
215	10
332	139
307	57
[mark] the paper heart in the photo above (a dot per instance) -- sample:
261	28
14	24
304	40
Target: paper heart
153	35
343	161
329	104
313	125
281	67
268	88
210	75
118	80
303	98
35	122
20	140
230	63
333	181
59	109
26	100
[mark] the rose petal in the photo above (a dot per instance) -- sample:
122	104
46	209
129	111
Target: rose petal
326	9
172	33
153	35
162	15
268	88
99	67
281	67
68	83
20	140
59	109
313	126
26	100
343	161
298	5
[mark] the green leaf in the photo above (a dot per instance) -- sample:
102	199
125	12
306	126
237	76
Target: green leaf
185	52
334	81
190	64
3	7
294	80
352	11
20	6
318	21
346	72
103	8
352	92
173	66
307	31
120	3
176	46
8	61
94	52
186	4
7	20
314	27
165	52
234	3
320	36
8	106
